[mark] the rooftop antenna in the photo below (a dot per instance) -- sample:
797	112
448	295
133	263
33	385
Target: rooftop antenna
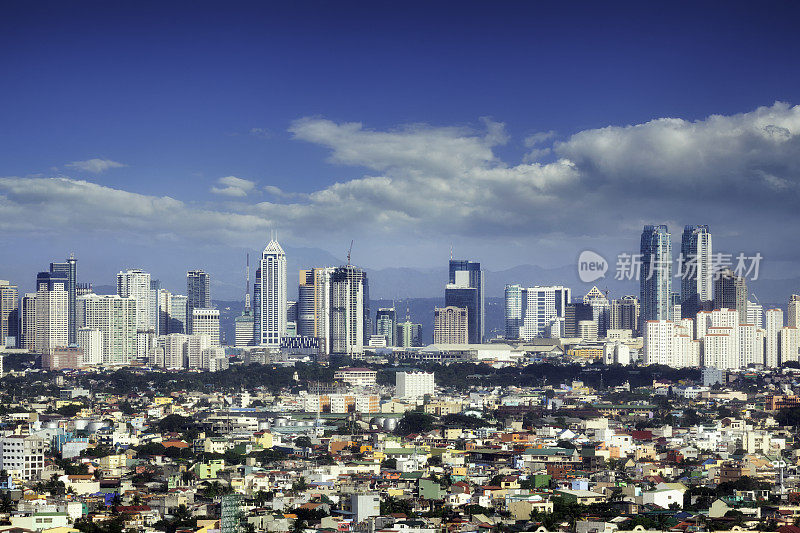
247	290
451	252
349	252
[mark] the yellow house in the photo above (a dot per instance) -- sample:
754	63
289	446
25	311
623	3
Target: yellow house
209	469
262	439
113	464
162	400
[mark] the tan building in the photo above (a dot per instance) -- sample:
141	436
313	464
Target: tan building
450	325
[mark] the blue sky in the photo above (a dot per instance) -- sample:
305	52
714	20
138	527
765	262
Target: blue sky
495	127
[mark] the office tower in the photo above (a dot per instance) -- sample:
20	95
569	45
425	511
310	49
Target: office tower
349	310
793	318
291	319
135	284
28	322
115	317
83	289
244	325
469	274
625	313
386	324
153	311
306	308
675	307
90	341
601	309
789	344
270	323
773	323
9	315
206	322
730	291
696	270
409	335
656	273
755	314
69	269
52	311
461	296
414	384
543	306
514	310
163	298
719	332
198	291
574	314
450	325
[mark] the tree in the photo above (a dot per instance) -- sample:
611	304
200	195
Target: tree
415	422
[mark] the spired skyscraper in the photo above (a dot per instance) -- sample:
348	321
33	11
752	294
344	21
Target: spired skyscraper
69	269
695	268
655	274
270	296
465	290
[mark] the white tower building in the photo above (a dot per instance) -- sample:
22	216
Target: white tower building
272	296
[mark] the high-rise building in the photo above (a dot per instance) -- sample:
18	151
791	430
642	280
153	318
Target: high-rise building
349	311
178	318
314	305
625	313
656	273
543	306
69	269
671	344
789	344
450	325
386	324
755	314
198	291
469	274
601	309
52	311
730	291
514	307
675	307
574	314
135	284
115	317
306	305
28	322
464	297
291	318
409	334
90	341
719	332
793	317
9	315
270	296
773	324
696	270
751	346
206	322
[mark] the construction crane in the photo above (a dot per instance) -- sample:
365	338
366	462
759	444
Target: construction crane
349	252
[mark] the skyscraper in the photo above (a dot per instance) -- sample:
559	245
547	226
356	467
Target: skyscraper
601	309
52	311
306	309
514	310
773	323
135	284
730	291
545	309
386	324
656	273
625	313
793	318
469	274
115	317
9	314
69	269
349	311
695	268
28	322
464	297
271	296
198	291
450	325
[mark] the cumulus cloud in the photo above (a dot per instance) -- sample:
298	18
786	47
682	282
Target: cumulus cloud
233	186
95	165
424	183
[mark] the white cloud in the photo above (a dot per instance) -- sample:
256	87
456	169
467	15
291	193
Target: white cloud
94	166
233	186
423	184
